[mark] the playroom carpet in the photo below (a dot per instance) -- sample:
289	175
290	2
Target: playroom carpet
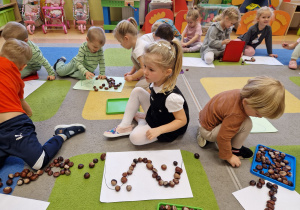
68	189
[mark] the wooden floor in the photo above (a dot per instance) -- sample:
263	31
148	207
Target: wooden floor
75	36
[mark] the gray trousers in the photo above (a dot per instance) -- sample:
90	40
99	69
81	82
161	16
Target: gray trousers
237	141
28	71
69	69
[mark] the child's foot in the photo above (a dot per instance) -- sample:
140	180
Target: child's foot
201	141
242	153
69	131
63	59
118	131
139	115
293	64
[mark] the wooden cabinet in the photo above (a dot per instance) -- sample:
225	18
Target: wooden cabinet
12	5
293	8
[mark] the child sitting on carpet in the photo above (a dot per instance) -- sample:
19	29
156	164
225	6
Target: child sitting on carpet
218	34
18	31
17	132
295	55
90	54
126	33
163	31
258	32
192	42
225	118
166	113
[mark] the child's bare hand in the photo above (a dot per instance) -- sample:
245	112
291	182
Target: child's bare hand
51	77
89	75
183	44
153	133
234	161
129	78
128	73
285	46
225	41
273	55
101	77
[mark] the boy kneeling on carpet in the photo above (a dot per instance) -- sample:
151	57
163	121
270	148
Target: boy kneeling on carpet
225	118
17	131
90	54
18	31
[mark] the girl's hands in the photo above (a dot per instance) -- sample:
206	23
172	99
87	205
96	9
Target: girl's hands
89	75
225	41
153	133
273	55
128	78
234	161
101	77
50	77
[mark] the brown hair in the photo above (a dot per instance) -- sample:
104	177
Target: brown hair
265	95
193	13
16	51
170	57
96	34
14	30
124	27
165	31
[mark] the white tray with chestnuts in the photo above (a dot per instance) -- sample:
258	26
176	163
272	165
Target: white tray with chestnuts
144	175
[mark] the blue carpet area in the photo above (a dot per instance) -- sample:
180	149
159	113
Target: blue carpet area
284	56
11	166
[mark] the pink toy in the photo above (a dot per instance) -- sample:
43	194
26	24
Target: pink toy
81	14
30	14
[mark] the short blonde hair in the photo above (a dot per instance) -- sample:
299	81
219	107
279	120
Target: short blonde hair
96	34
14	30
124	27
16	51
169	56
261	10
193	13
265	95
233	13
155	26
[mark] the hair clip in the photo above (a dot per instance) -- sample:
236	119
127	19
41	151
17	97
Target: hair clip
167	46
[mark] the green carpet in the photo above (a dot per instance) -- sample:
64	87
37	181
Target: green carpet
47	99
295	80
291	150
117	57
75	192
216	62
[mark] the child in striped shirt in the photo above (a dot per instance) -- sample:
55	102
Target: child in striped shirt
18	31
90	54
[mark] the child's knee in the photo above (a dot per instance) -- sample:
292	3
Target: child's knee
248	124
209	58
249	51
135	139
137	90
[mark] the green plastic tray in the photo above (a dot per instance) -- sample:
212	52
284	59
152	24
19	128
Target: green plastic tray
179	207
116	105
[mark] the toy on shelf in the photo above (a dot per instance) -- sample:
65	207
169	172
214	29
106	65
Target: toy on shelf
279	24
54	15
81	14
30	14
106	4
155	15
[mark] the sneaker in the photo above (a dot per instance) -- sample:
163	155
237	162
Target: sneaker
242	153
63	59
201	141
69	130
121	132
293	64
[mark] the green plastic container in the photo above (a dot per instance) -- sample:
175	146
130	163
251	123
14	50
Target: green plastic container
6	2
116	105
10	14
179	207
3	20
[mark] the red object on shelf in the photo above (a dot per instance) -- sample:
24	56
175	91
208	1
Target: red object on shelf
155	15
179	5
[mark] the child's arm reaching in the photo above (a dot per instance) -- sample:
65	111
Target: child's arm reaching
138	74
179	121
26	107
131	72
182	40
195	38
101	66
289	46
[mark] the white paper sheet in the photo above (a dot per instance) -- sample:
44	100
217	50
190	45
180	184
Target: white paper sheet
195	62
16	203
262	125
144	187
31	86
264	60
253	198
89	84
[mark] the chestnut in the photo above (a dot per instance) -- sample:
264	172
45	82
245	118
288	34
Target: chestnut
129	172
160	182
55	161
196	155
106	88
80	166
29	174
133	164
20	182
117	188
67	172
86	175
262	181
92	165
149	166
103	156
62	171
66	167
113	182
40	172
9	182
95	160
176	181
67	161
26	180
252	183
131	168
269	185
96	89
258	167
34	177
62	165
140	159
17	174
166	183
7	190
259	185
101	87
1	184
60	159
70	164
175	163
50	173
128	188
123	180
176	176
135	160
149	161
164	167
178	170
145	160
51	165
158	178
11	176
26	170
56	174
154	170
57	165
171	184
154	175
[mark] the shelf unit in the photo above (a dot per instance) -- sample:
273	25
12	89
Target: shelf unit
12	4
293	8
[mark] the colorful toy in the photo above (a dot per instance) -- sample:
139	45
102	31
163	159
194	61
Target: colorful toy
155	15
30	14
81	14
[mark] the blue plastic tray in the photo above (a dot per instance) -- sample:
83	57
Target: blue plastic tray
292	163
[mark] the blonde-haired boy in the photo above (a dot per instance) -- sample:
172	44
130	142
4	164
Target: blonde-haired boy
225	118
90	54
17	131
18	31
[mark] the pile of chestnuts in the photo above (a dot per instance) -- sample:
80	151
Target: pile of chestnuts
273	191
155	175
279	170
111	83
64	166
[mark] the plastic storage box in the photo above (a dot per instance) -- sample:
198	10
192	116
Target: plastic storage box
158	5
7	15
